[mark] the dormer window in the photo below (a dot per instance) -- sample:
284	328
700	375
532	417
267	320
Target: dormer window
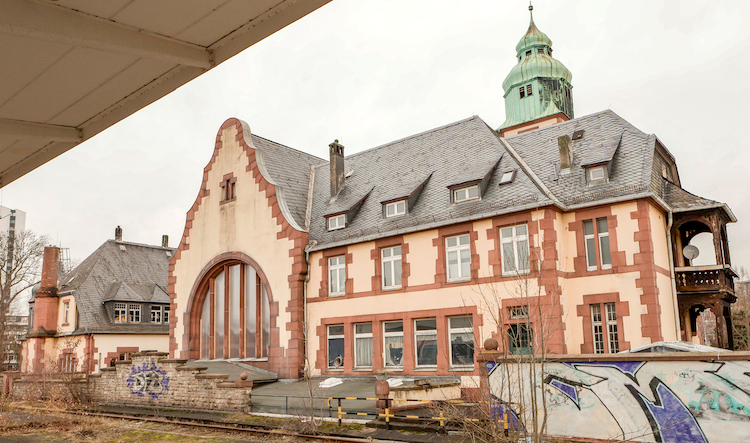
507	177
337	222
596	175
395	209
469	193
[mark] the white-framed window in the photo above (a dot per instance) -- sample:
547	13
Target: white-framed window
121	312
337	275
66	312
601	326
425	338
337	222
393	344
155	314
518	312
593	236
395	209
335	346
391	267
507	177
461	331
596	175
363	345
134	313
468	193
514	249
458	255
165	314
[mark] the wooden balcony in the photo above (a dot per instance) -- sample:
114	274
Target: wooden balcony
705	279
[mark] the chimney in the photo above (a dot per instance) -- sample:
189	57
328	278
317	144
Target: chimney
164	241
337	168
45	302
566	153
118	233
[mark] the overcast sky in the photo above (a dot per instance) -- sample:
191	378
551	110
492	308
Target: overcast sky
369	72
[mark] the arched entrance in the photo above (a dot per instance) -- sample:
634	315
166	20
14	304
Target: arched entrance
230	311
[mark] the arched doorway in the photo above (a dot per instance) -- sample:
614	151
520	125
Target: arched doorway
231	315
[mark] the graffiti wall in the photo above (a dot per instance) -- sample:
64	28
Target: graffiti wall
650	401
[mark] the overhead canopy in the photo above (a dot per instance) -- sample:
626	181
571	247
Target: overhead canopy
72	68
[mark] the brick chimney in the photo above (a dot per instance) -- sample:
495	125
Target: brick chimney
118	233
566	153
45	302
164	241
337	168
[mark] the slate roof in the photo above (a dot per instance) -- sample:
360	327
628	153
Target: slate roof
464	150
289	169
119	271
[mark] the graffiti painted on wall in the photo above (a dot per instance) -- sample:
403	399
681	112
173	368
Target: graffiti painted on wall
147	379
658	401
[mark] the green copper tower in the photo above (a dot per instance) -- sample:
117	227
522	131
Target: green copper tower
538	86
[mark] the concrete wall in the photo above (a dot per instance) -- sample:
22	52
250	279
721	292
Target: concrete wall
634	397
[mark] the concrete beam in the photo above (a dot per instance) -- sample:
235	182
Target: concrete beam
57	24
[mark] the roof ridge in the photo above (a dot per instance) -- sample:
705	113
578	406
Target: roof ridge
120	242
410	137
288	147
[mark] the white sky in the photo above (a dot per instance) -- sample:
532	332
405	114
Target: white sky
369	72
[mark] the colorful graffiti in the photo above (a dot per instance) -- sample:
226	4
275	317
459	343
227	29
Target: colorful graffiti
148	379
657	401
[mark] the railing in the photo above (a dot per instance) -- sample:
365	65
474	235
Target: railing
695	279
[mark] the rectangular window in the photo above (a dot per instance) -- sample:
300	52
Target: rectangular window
425	336
337	222
458	254
466	194
528	90
591	235
540	50
604	325
165	314
514	249
395	209
134	313
363	345
393	343
337	275
336	346
461	332
391	267
517	312
522	91
155	314
596	175
121	313
66	312
507	177
520	339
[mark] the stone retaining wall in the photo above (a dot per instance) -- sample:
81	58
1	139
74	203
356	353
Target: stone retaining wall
148	380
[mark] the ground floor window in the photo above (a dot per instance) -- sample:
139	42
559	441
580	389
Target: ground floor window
462	340
363	345
336	346
520	339
235	319
425	335
393	343
604	328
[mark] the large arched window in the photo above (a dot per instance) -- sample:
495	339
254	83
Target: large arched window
235	320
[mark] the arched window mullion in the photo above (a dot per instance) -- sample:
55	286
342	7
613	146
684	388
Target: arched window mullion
242	312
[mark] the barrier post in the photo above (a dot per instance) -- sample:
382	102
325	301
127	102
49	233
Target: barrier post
339	403
387	414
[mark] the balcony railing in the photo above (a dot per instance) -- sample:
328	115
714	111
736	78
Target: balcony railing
705	279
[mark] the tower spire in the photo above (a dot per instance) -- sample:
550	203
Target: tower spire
538	87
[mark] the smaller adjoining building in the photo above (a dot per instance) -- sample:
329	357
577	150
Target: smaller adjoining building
113	304
10	344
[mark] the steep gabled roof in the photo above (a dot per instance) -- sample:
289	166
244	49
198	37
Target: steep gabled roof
455	153
118	271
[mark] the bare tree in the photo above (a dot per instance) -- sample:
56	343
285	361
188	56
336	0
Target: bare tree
20	267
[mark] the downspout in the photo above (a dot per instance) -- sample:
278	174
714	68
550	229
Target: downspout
309	246
670	253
